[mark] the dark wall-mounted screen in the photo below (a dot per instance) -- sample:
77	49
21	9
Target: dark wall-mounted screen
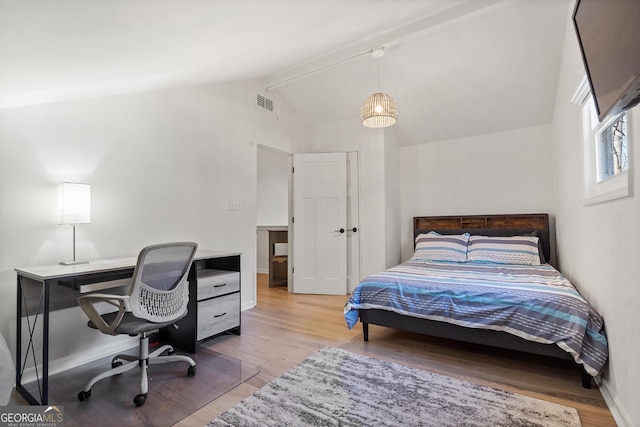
609	37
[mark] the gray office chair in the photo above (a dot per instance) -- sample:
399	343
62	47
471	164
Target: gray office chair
157	297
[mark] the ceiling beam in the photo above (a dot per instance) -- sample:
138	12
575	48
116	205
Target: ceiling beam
459	12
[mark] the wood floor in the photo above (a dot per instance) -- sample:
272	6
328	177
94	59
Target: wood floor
285	328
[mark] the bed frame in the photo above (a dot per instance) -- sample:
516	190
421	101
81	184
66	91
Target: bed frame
487	225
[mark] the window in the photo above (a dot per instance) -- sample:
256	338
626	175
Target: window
605	152
611	148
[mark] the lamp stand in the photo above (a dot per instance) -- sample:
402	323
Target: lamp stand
74	262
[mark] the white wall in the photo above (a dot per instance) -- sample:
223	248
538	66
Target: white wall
162	166
273	188
507	172
262	251
598	244
393	217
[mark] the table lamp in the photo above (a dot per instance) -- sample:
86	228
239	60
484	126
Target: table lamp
74	207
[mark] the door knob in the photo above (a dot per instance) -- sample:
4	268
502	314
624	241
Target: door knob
339	231
354	229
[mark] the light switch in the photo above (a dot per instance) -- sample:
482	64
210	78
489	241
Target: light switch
234	205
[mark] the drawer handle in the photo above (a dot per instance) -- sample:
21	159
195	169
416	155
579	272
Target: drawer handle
219	286
219	315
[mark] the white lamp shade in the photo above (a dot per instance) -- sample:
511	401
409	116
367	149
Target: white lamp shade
74	203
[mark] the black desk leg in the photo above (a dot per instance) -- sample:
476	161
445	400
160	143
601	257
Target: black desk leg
45	346
23	311
19	336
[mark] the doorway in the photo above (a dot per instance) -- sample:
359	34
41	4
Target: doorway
272	216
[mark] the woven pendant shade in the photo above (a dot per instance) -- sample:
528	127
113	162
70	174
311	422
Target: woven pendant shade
379	111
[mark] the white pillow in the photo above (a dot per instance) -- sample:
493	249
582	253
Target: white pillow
504	250
438	247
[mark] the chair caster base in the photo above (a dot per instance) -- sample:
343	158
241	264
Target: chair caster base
191	371
115	363
84	395
140	399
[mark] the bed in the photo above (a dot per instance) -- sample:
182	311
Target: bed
485	279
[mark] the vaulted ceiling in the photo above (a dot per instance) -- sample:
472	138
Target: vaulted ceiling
456	68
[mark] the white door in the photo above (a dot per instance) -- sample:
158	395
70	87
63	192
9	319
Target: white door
320	223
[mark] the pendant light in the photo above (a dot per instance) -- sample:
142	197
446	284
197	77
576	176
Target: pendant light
379	110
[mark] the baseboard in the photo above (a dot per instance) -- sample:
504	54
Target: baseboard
262	271
80	358
618	412
248	306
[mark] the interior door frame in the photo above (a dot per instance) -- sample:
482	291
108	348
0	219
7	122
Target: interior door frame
353	220
289	157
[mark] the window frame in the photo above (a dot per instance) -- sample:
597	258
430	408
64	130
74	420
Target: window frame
613	187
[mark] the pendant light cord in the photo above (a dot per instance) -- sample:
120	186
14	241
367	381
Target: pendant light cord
378	71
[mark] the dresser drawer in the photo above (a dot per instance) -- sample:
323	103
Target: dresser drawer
218	315
212	283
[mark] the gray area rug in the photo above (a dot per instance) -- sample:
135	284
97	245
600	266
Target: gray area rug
336	388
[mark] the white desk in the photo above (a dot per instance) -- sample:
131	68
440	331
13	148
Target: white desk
42	289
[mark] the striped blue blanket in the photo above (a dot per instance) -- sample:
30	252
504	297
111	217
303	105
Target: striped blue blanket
533	302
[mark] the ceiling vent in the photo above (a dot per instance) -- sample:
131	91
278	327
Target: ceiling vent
264	103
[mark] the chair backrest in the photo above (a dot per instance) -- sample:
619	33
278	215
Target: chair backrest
159	290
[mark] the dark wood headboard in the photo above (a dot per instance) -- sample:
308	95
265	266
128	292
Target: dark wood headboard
488	225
